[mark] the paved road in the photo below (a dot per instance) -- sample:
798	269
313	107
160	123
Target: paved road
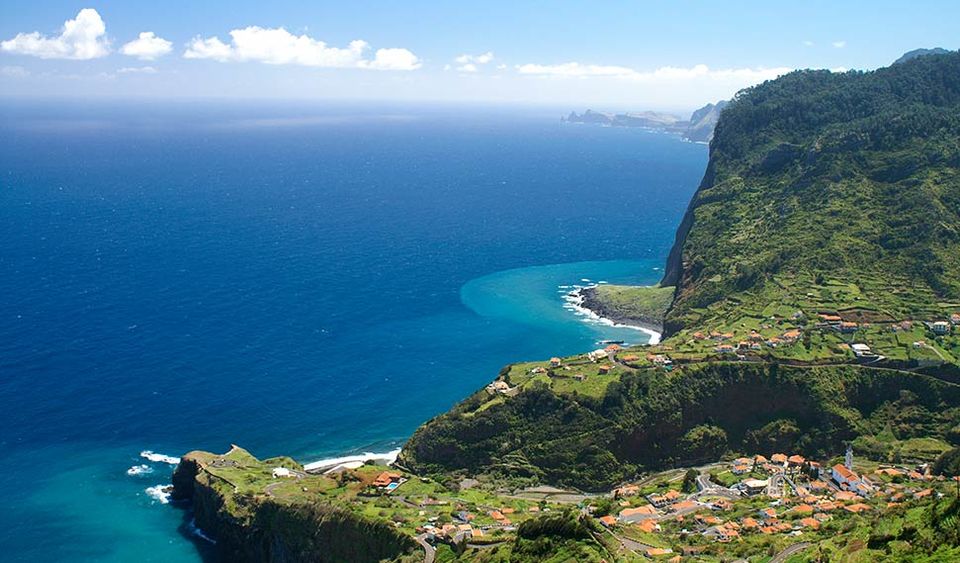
429	550
790	551
708	487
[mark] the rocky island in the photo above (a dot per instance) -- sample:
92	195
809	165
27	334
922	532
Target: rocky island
804	402
698	128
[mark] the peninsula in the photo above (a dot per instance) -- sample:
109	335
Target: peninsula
804	402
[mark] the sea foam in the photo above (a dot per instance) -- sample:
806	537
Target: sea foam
159	458
159	493
142	469
387	457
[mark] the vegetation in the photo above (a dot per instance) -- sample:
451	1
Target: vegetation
630	304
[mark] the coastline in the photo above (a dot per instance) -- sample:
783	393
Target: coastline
581	303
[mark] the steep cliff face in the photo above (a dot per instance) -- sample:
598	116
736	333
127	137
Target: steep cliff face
852	176
258	528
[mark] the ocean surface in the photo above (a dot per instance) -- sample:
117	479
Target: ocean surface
312	280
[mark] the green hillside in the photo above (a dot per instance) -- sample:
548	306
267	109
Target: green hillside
819	176
811	267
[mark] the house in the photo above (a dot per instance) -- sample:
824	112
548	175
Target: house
555	362
862	351
792	335
940	327
767	514
648	526
857	508
725	349
749	523
779	459
796	460
754	486
605	368
386	479
774	341
682	505
626	491
501	386
740	469
633	515
810	523
608	521
760	459
803	509
919	344
282	472
658	552
613	349
955	319
829	318
755	336
699	336
849	480
597	355
629	358
847	327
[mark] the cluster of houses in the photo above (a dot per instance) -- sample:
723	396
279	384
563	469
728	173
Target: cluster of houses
464	526
817	496
754	341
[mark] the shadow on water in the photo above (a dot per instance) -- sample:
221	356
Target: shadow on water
206	549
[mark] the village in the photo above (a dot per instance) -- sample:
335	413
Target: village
826	338
776	495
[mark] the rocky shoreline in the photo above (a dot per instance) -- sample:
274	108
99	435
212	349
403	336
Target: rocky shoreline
590	300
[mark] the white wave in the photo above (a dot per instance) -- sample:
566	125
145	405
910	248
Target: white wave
585	280
159	458
159	493
195	530
575	303
387	457
142	469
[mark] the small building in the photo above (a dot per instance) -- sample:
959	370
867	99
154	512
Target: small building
555	362
608	521
282	472
754	486
726	349
796	460
633	515
861	350
605	368
955	319
847	327
940	327
778	459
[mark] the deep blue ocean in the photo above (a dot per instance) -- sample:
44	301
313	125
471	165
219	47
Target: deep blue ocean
301	279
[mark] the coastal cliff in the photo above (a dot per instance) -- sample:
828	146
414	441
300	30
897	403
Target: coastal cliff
252	524
823	243
811	301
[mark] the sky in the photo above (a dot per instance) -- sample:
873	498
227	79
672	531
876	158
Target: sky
623	55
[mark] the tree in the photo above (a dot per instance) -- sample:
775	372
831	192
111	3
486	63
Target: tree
689	481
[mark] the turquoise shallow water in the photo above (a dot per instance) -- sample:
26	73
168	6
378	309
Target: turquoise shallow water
533	297
180	277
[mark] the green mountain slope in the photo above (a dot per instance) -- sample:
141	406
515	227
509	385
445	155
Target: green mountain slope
826	194
851	177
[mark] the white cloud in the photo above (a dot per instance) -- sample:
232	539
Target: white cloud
666	74
471	63
839	44
81	38
14	71
137	70
147	47
808	43
480	59
280	47
392	59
